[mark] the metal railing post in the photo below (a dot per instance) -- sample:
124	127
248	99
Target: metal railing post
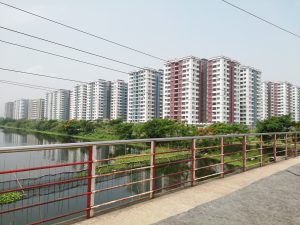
91	181
244	153
295	143
152	169
286	146
274	148
222	157
193	170
261	150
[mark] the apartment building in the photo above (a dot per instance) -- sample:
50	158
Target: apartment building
20	109
145	88
9	110
250	95
78	102
119	99
184	90
57	105
281	98
223	94
98	100
265	100
36	109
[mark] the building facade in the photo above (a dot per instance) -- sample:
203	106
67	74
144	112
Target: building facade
145	95
98	100
20	109
281	98
9	110
78	102
57	105
250	95
184	90
223	94
119	99
36	109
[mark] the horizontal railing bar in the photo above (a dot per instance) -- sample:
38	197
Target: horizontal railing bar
43	203
121	199
42	167
208	157
45	184
61	216
215	174
212	165
123	171
120	142
118	158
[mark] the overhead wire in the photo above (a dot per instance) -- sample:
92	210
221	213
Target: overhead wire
83	31
69	47
62	56
41	75
38	87
262	19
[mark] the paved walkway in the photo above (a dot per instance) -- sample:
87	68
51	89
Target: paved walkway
167	206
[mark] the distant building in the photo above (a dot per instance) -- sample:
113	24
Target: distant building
78	102
20	109
57	105
36	109
250	95
144	95
9	110
119	98
223	91
185	90
281	98
98	100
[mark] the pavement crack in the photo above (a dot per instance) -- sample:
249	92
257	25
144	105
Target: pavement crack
296	174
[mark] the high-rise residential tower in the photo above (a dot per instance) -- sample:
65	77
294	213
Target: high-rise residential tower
119	98
98	100
9	110
57	105
21	109
250	95
223	94
36	109
78	102
184	89
145	95
281	98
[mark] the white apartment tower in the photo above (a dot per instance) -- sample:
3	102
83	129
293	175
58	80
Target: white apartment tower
20	109
119	98
265	102
223	94
144	95
36	109
184	90
250	95
98	100
295	108
9	110
78	102
57	105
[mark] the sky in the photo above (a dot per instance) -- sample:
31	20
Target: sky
165	28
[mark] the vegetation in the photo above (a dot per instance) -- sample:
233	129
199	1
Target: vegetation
276	124
10	197
116	129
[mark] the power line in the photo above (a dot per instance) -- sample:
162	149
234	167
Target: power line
38	87
70	47
82	31
262	19
41	75
62	56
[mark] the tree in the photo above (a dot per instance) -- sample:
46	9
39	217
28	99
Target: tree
275	124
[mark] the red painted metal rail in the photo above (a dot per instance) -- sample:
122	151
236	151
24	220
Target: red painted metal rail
155	167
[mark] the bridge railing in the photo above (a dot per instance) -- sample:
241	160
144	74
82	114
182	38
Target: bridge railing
96	176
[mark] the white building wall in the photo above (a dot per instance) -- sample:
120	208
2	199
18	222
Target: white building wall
20	109
119	99
57	105
78	102
36	109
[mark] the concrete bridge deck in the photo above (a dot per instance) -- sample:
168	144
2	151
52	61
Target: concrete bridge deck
266	195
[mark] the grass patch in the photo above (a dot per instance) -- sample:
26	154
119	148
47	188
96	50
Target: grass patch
10	197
